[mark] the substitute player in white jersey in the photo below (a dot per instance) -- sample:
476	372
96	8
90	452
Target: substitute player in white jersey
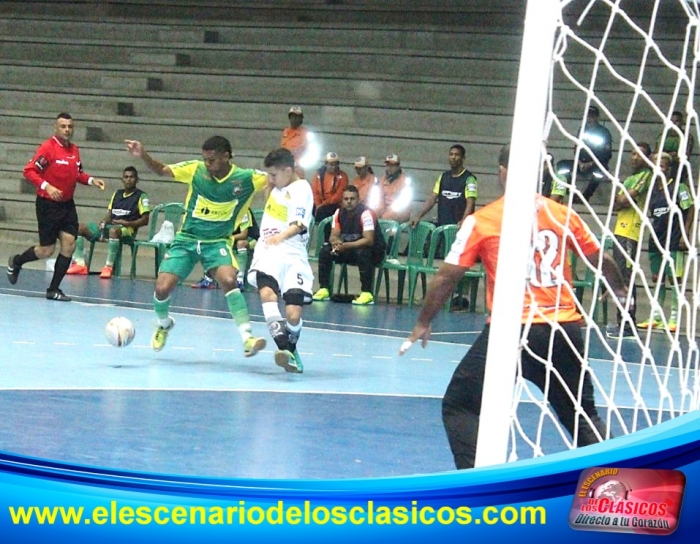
281	261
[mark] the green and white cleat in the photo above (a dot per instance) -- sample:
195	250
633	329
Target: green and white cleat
291	362
253	345
160	336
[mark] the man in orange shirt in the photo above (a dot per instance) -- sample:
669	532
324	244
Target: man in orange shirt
328	185
398	192
559	229
296	138
371	194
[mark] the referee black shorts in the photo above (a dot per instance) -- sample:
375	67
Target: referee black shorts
54	217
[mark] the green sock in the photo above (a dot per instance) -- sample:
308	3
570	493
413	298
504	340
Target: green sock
162	308
242	258
79	253
674	305
112	248
662	294
239	312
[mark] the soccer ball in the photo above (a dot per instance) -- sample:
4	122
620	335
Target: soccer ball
120	332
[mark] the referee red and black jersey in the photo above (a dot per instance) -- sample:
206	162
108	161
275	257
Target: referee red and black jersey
58	164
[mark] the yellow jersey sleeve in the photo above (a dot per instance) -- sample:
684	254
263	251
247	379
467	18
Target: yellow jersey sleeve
259	180
184	171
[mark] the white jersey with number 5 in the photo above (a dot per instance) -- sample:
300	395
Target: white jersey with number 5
287	262
291	204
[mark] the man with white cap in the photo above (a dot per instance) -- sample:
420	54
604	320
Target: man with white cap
295	137
367	184
328	185
397	189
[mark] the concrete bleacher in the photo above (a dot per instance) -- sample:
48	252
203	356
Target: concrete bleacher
402	76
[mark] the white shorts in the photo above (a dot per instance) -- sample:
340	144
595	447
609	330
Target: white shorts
291	271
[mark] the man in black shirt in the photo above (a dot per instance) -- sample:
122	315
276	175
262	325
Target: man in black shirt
355	239
455	192
128	210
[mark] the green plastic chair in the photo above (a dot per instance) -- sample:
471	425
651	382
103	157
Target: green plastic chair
316	232
470	282
587	280
118	258
317	244
173	212
417	238
447	234
388	228
312	222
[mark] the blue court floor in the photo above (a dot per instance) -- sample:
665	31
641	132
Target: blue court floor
200	408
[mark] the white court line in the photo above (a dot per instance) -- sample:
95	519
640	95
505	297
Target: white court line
276	391
226	390
226	316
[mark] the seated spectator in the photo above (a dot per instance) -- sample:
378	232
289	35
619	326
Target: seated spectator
398	192
599	141
584	173
128	210
663	221
295	138
242	240
355	239
455	192
367	184
328	185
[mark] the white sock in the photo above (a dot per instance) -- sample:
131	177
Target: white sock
271	311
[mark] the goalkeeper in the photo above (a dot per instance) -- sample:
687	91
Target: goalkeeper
553	299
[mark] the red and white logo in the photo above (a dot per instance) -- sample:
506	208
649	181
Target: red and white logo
628	500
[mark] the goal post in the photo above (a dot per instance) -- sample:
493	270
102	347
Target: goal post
637	64
519	207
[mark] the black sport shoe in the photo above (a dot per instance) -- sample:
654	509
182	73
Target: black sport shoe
615	332
12	270
57	294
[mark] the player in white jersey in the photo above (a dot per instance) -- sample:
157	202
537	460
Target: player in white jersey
281	261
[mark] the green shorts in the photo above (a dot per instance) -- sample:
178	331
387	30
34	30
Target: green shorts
184	254
676	271
94	228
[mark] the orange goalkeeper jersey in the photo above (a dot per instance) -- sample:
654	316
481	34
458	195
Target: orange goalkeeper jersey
559	229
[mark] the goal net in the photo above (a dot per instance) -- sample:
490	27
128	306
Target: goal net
631	68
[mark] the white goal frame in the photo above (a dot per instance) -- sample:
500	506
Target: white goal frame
528	144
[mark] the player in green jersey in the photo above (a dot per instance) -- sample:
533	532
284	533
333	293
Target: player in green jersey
218	197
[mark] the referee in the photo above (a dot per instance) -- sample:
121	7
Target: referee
54	170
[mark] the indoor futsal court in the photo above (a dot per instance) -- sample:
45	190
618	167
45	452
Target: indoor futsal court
200	408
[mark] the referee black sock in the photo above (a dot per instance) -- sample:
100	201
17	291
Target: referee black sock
60	269
26	257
